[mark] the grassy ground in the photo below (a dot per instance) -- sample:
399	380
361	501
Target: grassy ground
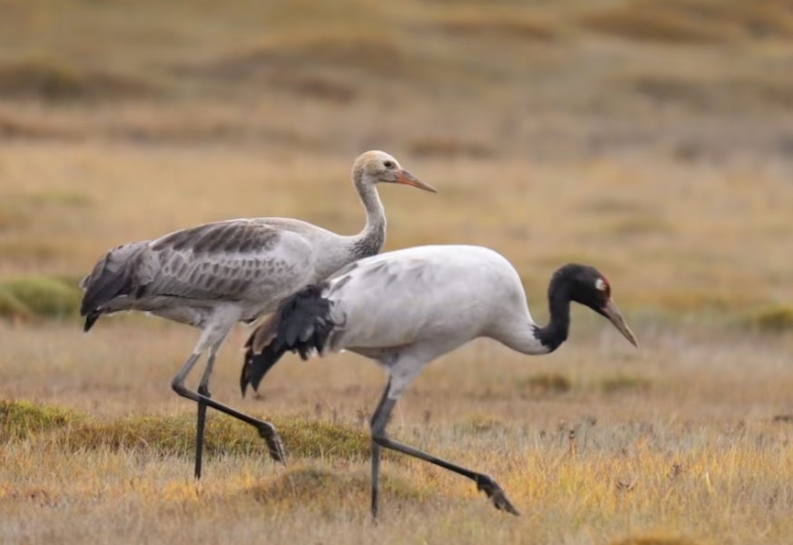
651	140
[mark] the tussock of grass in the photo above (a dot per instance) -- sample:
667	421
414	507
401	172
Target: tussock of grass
21	419
695	21
449	148
655	540
334	63
11	127
774	319
362	50
497	26
174	435
51	80
637	22
715	95
314	86
640	225
310	438
330	490
546	384
37	296
479	424
610	206
624	383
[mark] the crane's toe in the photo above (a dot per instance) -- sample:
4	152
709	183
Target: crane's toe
274	442
496	494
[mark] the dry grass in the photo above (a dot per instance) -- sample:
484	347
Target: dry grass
46	79
662	157
684	438
696	21
663	476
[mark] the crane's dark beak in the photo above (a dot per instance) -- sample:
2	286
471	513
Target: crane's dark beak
405	177
611	312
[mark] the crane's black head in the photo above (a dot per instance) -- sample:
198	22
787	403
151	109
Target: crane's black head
585	285
582	284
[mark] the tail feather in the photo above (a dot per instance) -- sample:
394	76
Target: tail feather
301	324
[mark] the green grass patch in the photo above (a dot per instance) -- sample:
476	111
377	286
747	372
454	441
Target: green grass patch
174	435
773	319
22	419
27	297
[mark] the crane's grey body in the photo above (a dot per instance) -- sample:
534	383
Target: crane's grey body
405	308
214	275
227	271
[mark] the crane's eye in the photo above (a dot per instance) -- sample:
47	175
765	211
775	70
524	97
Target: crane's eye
600	284
389	164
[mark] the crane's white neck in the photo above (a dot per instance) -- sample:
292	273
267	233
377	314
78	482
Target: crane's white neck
522	337
529	338
369	241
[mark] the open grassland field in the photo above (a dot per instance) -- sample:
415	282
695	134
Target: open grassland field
652	139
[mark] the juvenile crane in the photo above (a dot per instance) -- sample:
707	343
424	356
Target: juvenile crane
214	275
405	308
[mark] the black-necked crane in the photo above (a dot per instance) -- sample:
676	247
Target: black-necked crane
405	308
214	275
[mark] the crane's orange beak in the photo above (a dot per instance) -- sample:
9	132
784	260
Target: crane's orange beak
405	177
611	312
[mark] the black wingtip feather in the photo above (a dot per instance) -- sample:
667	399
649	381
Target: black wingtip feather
306	314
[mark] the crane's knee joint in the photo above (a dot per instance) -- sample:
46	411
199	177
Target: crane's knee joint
380	437
178	386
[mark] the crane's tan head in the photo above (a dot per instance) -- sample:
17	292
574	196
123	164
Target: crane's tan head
374	167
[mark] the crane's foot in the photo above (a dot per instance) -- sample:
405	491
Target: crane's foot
496	494
270	435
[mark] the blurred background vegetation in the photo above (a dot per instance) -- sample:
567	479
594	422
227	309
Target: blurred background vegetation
650	137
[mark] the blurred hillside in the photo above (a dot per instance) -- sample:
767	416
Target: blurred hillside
537	78
651	137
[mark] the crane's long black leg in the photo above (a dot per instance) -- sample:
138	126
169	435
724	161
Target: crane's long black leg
483	482
203	389
376	454
266	430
